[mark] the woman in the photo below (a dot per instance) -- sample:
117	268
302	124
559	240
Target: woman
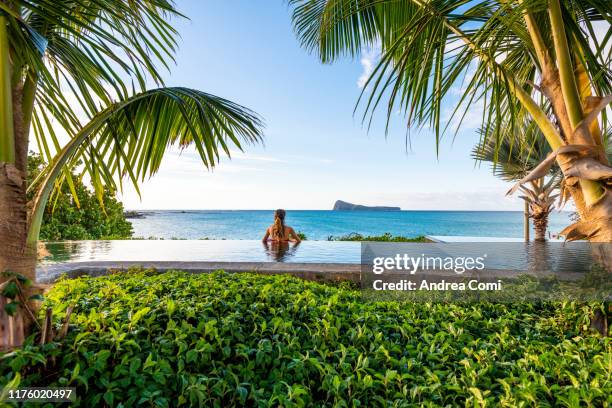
279	232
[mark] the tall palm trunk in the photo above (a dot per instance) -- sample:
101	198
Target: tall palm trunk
540	224
560	85
15	255
526	222
540	199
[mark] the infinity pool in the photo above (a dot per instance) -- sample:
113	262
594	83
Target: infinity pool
200	251
327	257
501	255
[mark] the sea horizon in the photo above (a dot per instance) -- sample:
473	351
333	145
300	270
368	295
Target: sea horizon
302	209
325	224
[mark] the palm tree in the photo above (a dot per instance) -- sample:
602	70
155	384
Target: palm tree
540	199
76	74
513	158
524	60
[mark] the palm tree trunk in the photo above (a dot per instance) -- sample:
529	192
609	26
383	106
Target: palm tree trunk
564	95
526	221
540	225
7	135
15	256
14	253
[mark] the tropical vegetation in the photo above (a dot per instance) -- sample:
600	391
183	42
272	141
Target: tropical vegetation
386	237
540	200
180	339
80	216
513	157
523	61
75	76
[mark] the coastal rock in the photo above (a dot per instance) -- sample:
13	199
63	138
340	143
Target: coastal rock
345	206
133	214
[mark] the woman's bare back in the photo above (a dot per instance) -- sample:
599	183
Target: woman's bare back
289	235
279	232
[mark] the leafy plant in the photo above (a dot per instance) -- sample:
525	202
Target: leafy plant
83	217
13	288
386	237
513	157
180	339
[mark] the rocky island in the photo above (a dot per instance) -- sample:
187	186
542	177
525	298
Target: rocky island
344	206
133	214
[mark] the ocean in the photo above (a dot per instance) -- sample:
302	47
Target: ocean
321	224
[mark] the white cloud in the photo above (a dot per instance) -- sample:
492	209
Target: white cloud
238	155
309	159
369	59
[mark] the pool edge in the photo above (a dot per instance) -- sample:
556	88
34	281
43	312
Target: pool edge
329	272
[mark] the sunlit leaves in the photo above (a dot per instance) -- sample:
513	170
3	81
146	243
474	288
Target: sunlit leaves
78	61
460	54
246	339
130	138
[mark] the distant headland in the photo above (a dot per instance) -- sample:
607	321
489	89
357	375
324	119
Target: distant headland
344	206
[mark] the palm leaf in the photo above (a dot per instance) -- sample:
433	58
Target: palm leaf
130	137
94	49
429	47
515	152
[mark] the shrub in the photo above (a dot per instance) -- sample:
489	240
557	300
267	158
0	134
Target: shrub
386	237
218	339
65	220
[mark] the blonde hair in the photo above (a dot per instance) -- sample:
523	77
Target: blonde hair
278	229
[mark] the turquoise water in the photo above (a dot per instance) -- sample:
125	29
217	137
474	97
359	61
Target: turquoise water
319	225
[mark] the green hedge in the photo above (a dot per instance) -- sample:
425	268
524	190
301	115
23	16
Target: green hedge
65	220
219	340
386	237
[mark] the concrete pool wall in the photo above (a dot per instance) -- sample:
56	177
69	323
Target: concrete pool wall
321	272
318	272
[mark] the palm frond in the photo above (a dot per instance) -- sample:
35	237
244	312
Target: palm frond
130	138
515	152
429	48
95	51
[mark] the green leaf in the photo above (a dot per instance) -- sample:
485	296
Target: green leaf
37	297
11	290
11	308
135	317
11	385
109	397
192	355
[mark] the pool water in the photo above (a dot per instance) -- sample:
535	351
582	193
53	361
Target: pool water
501	255
201	251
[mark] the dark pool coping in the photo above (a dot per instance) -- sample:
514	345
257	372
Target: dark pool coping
330	272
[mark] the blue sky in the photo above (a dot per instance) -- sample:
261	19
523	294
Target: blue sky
316	150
